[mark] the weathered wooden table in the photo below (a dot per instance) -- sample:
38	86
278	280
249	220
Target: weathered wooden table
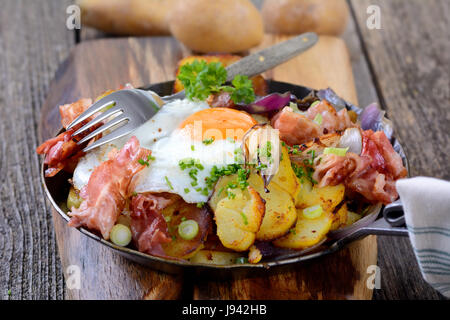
404	66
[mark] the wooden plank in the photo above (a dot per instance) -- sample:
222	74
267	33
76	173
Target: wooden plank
409	62
31	48
342	275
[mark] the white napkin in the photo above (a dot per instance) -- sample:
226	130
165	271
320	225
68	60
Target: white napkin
426	203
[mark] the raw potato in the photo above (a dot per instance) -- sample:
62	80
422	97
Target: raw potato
280	210
307	232
298	16
239	218
328	197
340	218
285	177
217	26
128	17
175	214
215	257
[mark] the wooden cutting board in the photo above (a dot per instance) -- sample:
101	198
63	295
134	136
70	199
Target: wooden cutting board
96	66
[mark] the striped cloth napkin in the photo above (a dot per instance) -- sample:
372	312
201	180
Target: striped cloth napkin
426	203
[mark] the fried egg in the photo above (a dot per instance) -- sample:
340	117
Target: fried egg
183	160
187	140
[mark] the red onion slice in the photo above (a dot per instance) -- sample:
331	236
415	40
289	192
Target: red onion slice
371	117
270	103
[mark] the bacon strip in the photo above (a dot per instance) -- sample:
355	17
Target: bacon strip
108	188
372	174
71	111
148	227
296	128
332	121
62	151
378	146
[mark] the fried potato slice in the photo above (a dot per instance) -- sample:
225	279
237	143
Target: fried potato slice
352	217
280	209
238	218
254	254
328	197
285	178
307	232
215	257
339	218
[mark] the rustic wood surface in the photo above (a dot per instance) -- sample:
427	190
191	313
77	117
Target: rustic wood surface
404	66
135	60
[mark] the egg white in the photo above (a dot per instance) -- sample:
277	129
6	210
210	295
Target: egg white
165	174
161	125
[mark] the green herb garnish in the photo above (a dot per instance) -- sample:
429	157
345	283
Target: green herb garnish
200	204
208	141
143	162
168	183
200	79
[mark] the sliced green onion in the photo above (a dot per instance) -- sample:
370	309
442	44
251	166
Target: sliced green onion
120	235
318	119
73	200
188	229
337	151
244	217
313	212
314	103
241	260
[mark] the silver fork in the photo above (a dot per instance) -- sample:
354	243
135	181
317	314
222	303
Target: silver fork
133	107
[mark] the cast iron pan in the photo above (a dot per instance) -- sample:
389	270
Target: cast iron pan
379	221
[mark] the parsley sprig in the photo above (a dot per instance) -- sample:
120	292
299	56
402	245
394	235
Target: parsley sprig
201	79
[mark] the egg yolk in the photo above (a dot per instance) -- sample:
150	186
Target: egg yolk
218	123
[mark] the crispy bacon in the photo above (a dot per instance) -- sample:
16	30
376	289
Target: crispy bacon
377	145
59	152
332	121
62	151
294	128
108	188
71	111
372	174
148	227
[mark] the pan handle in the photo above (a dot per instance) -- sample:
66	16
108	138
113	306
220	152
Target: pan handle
392	224
393	214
